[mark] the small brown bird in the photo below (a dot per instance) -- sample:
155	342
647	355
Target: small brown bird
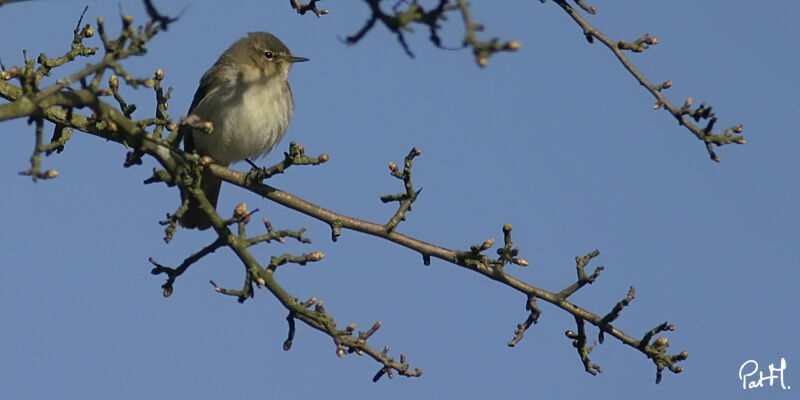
247	98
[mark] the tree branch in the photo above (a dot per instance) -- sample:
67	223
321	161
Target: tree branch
406	13
58	104
729	136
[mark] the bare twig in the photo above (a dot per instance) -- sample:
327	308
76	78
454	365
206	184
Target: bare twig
731	135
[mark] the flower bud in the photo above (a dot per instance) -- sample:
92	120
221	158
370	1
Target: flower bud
113	82
513	45
240	210
521	262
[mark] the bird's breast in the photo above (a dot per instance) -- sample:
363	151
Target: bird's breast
249	118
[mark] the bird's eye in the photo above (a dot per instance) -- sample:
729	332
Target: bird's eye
268	55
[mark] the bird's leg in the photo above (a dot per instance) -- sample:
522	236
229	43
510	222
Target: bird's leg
256	173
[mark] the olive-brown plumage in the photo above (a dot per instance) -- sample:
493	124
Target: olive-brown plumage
247	98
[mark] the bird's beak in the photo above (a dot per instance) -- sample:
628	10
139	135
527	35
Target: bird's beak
294	59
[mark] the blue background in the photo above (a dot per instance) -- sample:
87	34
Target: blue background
557	139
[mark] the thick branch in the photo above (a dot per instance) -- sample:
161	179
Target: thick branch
427	250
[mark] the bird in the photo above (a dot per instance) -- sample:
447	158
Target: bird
247	98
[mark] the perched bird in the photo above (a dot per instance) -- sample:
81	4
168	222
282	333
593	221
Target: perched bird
247	98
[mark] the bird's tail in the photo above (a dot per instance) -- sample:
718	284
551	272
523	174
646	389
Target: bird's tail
194	217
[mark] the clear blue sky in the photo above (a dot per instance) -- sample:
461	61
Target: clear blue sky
557	139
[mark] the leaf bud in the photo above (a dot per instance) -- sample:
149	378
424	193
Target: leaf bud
240	210
513	45
521	262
